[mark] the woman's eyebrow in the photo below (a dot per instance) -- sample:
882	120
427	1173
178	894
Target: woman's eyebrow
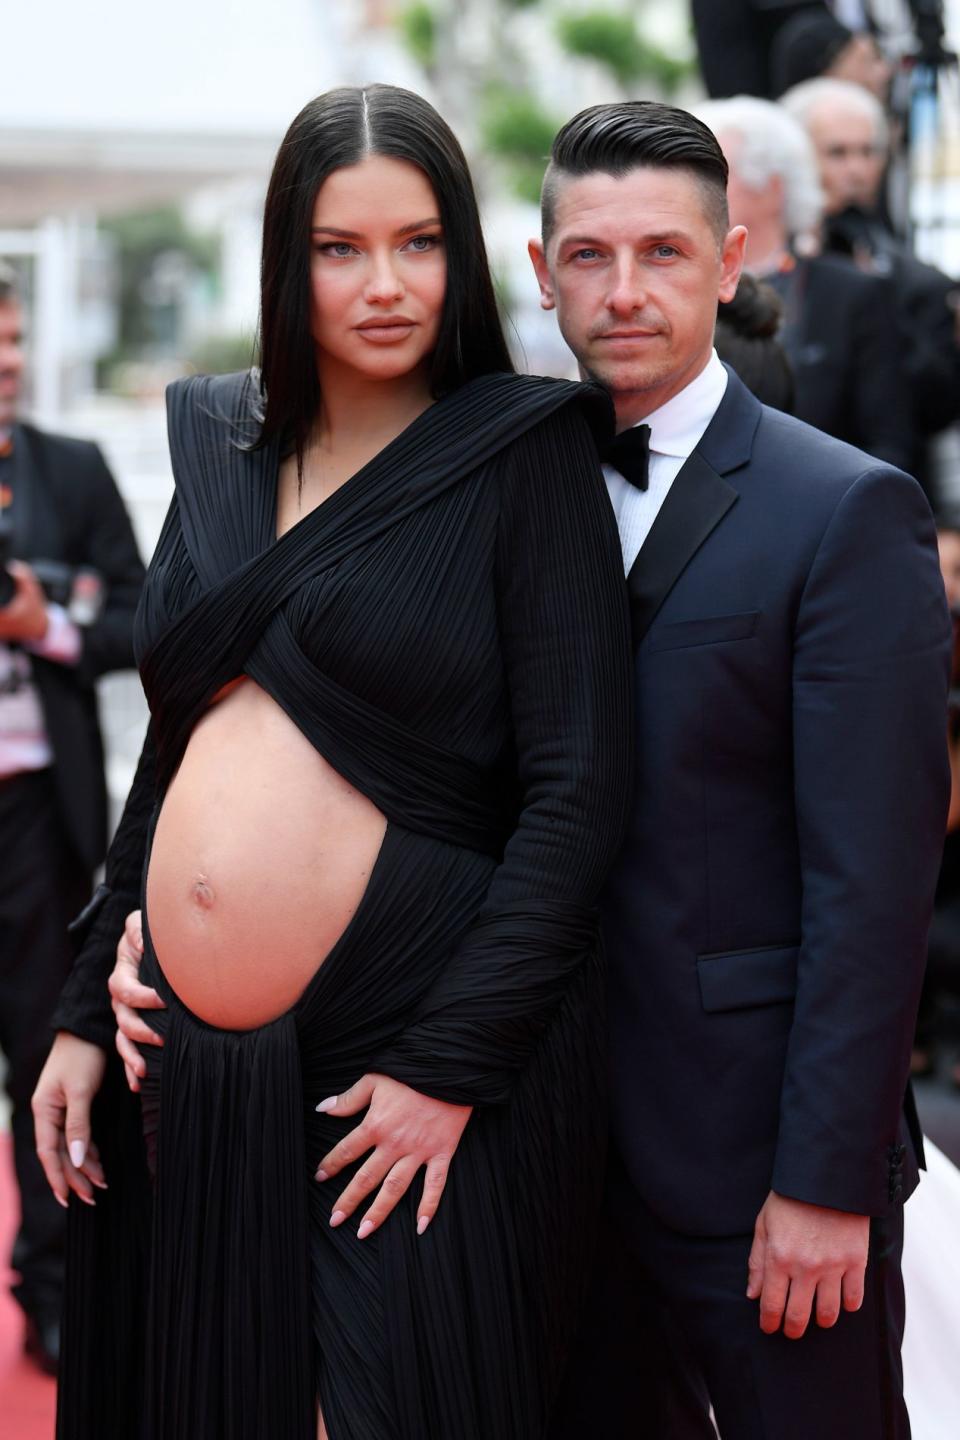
418	225
355	234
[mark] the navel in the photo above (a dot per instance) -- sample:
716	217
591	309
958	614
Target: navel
202	892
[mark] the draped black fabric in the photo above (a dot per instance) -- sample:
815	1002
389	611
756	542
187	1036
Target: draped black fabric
449	631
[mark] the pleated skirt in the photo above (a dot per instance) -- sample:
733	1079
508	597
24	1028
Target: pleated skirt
256	1310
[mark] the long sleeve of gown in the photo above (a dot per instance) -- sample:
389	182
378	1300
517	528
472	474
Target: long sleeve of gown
84	1004
565	644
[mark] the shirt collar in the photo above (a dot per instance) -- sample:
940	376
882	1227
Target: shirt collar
677	427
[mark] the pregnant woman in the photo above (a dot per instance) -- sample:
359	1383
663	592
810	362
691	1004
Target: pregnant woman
384	643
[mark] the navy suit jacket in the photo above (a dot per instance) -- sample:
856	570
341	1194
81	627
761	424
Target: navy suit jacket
767	919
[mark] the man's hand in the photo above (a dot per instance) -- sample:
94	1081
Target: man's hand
128	996
803	1253
404	1130
25	618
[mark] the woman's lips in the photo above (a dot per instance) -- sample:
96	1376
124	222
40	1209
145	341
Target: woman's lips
386	332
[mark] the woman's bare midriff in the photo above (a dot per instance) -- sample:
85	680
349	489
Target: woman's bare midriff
261	855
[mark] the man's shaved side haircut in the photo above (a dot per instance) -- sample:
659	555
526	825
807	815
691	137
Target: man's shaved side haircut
631	135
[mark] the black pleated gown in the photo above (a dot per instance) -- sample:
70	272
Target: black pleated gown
449	629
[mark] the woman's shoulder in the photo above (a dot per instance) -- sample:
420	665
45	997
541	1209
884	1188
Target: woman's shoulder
209	404
532	410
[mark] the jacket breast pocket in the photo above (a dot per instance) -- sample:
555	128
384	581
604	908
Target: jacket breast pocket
711	630
738	979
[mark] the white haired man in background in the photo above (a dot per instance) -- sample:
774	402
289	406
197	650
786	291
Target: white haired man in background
840	328
851	138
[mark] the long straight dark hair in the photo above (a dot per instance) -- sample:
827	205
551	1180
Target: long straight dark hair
340	128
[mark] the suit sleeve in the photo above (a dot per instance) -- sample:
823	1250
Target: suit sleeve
564	633
871	661
110	547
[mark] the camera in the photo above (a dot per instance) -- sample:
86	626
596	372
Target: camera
78	588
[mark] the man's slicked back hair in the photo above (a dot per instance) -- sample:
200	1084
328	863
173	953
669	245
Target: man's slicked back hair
632	135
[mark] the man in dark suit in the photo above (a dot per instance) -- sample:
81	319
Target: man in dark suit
734	38
738	39
840	325
58	502
850	135
766	923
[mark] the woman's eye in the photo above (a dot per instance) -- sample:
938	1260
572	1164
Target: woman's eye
339	249
420	244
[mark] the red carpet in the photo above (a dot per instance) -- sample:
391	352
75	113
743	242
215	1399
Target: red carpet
27	1398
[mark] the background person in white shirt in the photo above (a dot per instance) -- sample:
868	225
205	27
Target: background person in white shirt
766	922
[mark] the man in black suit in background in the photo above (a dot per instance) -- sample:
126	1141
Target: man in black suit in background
58	502
840	325
851	137
734	38
766	922
737	41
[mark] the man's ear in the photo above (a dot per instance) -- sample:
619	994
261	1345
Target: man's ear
538	259
731	262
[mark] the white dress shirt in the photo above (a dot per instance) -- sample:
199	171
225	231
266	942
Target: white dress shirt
24	744
676	430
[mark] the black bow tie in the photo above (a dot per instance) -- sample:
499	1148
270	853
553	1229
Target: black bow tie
629	453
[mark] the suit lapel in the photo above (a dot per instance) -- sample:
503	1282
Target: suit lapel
22	482
37	527
696	503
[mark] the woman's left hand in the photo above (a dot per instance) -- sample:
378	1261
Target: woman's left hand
404	1130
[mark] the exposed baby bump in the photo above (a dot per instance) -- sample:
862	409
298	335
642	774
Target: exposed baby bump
260	858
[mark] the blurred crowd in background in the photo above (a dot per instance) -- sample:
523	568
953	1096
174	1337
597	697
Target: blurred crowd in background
131	186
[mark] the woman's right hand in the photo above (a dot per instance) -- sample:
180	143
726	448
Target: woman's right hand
61	1116
128	996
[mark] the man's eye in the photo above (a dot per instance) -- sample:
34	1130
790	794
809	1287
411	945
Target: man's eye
666	252
585	254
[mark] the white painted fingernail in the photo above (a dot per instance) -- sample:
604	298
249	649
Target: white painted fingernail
422	1224
365	1230
61	1201
328	1104
322	1175
77	1152
338	1217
